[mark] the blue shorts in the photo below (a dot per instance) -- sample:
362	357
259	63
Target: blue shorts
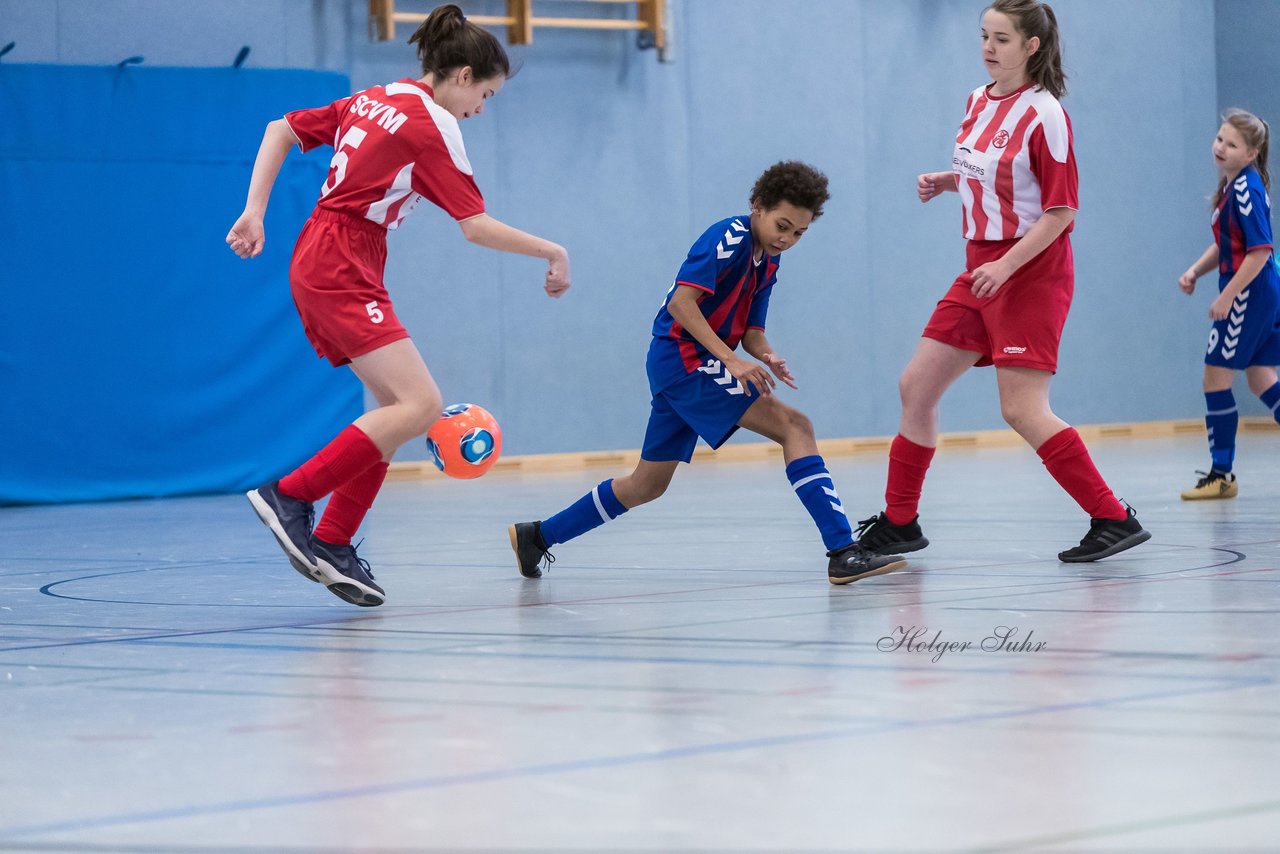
708	402
1250	334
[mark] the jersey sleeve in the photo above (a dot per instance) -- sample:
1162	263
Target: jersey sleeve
1053	160
712	251
760	305
317	126
1252	213
438	178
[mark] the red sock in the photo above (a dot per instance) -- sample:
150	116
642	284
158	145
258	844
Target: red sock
349	454
908	463
1067	459
349	503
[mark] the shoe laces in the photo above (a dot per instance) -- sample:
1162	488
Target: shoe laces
364	564
546	558
1208	477
311	508
866	524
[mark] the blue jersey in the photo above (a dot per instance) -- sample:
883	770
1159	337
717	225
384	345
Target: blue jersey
1241	223
1250	334
736	299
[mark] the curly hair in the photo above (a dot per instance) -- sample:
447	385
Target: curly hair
794	182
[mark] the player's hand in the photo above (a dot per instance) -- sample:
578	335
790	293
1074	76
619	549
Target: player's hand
557	275
1187	281
751	375
778	365
990	278
246	237
927	186
1221	307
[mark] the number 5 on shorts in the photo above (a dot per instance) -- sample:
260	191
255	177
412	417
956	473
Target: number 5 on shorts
375	313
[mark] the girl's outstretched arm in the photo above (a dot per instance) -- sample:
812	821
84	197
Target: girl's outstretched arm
484	230
246	237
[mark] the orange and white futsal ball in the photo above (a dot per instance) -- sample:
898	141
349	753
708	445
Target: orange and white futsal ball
465	442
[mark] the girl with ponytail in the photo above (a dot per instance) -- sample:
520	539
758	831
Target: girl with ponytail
394	145
1015	170
1246	314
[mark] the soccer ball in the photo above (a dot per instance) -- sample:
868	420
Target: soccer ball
465	442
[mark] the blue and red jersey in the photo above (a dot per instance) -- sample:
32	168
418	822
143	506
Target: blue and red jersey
736	290
1242	222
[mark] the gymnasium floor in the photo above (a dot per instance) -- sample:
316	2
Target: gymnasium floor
684	679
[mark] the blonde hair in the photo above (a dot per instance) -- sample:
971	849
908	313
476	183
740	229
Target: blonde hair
1257	135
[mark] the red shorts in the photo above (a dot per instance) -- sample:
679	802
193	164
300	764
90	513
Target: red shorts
336	277
1020	326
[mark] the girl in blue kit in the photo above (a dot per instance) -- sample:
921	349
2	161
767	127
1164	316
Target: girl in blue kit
702	387
1246	314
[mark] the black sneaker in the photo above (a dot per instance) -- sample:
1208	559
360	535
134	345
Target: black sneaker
291	520
853	562
347	575
881	536
1107	537
530	548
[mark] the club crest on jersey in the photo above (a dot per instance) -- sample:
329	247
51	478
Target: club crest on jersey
1001	139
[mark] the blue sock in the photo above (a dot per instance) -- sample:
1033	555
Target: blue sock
1221	421
1271	397
590	511
817	491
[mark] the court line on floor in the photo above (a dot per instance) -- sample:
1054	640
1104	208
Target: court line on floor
549	769
1056	585
1113	830
358	617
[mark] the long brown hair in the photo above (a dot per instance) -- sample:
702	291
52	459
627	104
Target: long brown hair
1034	19
1257	134
447	40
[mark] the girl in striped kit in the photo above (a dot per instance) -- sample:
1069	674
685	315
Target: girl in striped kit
1015	171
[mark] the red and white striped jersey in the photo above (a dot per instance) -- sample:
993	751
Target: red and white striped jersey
393	146
1013	161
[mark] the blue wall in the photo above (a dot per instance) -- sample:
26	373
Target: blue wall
1249	57
138	357
624	160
